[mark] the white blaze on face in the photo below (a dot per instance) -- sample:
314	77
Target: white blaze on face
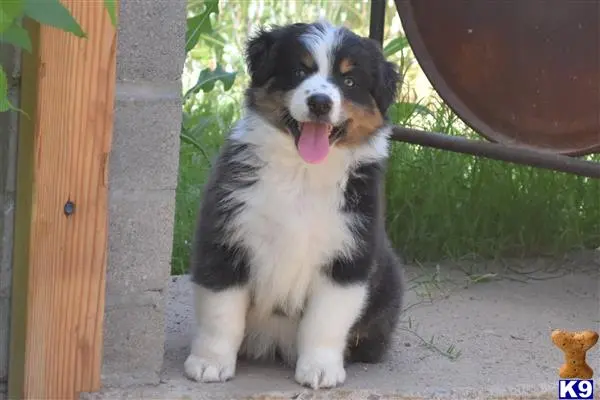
321	43
313	145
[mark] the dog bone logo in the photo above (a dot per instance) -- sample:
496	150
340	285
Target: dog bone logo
575	345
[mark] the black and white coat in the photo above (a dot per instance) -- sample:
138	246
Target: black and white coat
292	259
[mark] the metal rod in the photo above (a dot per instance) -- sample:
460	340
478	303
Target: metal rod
513	154
377	24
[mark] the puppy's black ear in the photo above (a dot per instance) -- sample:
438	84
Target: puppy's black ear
259	56
387	90
387	78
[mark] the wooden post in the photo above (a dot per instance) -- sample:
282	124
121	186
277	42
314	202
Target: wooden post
60	246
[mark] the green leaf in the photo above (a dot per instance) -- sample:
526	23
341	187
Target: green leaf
401	112
17	36
200	24
5	21
111	7
53	13
11	8
208	78
9	11
395	45
191	141
4	103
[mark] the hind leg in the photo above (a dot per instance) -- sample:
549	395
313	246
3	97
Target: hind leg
369	345
371	336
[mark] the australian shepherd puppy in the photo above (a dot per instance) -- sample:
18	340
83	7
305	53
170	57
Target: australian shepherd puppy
291	257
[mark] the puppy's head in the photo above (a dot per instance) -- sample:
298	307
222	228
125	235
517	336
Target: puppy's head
323	85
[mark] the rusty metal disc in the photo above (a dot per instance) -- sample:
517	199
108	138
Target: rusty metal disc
522	72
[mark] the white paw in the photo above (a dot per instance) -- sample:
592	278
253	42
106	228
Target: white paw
210	369
322	368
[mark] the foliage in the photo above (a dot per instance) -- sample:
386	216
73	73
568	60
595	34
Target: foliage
443	205
395	45
4	103
200	31
47	12
52	13
439	204
208	78
199	25
111	7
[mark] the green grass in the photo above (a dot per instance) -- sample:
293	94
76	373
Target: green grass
440	205
209	121
443	205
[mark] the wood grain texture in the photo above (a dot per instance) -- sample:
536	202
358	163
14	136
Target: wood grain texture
60	259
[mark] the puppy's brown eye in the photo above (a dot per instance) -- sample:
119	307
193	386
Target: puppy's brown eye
348	81
300	73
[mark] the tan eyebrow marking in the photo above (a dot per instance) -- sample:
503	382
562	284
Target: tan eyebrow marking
308	60
346	65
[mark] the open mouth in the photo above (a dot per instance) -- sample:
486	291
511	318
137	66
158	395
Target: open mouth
314	138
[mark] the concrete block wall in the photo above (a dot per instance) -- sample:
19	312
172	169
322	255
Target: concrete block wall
143	178
10	61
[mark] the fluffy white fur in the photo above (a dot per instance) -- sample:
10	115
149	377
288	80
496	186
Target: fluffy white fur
321	45
215	346
287	251
322	335
317	84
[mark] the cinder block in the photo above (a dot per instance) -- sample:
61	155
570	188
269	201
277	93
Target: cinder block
140	241
151	40
145	146
134	339
144	165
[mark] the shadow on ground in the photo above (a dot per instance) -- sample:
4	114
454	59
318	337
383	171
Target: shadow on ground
470	330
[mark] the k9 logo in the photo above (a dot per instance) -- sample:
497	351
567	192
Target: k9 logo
575	389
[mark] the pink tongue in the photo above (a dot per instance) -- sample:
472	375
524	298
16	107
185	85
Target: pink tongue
313	144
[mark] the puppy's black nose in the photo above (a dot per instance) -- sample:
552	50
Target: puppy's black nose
319	104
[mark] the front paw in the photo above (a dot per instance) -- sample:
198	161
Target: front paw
210	369
322	368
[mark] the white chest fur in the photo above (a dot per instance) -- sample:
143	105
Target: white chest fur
292	223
